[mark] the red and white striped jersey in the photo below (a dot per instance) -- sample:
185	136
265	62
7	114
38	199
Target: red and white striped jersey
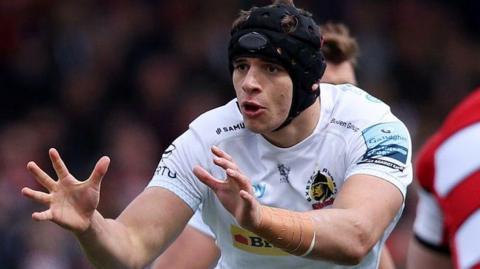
448	169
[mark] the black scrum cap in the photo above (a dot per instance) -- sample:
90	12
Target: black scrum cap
296	49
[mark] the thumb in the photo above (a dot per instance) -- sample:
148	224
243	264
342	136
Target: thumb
99	171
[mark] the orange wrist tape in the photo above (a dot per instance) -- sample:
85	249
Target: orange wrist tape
290	231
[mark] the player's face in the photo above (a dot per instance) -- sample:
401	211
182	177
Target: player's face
264	93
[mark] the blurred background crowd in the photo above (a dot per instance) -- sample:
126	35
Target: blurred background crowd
123	78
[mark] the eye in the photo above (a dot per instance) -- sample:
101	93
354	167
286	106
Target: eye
273	68
240	66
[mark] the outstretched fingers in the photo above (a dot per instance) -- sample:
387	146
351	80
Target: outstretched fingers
240	179
225	164
220	153
41	216
58	164
100	170
37	196
43	178
223	160
205	177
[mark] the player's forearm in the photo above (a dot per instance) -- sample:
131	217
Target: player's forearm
343	235
108	244
333	234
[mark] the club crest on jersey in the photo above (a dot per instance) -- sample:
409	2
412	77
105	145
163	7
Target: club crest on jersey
252	243
321	189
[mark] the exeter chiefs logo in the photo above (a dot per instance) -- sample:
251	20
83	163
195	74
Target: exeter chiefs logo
321	189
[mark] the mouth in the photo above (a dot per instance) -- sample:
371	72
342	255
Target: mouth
252	109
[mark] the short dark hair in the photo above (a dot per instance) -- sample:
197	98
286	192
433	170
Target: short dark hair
338	45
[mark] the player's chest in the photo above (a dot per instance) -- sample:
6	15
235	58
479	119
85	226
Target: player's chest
304	181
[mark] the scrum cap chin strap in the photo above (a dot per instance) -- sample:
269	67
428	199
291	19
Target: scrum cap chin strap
298	51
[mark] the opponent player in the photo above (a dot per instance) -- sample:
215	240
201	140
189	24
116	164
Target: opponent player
447	225
333	174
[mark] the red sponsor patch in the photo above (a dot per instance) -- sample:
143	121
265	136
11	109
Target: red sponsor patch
241	239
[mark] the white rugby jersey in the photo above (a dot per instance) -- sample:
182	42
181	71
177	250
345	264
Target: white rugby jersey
197	222
356	134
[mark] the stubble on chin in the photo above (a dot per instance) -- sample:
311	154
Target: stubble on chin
251	126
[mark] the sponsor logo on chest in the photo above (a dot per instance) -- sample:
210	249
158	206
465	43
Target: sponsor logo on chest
252	243
345	124
259	189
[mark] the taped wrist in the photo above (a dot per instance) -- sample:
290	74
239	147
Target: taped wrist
293	232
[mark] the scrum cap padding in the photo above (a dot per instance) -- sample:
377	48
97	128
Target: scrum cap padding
296	49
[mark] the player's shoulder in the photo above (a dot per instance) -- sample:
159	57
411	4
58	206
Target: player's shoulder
467	112
425	162
351	101
219	123
346	104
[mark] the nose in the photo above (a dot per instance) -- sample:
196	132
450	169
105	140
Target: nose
250	83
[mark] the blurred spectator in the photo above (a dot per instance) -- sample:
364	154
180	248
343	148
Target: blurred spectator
135	148
109	77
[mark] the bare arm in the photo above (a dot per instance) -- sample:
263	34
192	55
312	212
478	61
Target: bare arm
191	250
362	211
139	234
422	257
344	234
143	229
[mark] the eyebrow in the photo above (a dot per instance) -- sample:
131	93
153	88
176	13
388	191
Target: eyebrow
239	60
273	61
266	61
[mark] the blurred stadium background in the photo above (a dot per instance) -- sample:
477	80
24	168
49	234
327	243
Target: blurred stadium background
124	77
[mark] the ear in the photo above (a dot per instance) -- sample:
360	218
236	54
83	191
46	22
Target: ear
316	85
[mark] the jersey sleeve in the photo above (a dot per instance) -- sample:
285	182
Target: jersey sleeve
174	172
197	222
425	163
382	150
457	181
466	243
428	228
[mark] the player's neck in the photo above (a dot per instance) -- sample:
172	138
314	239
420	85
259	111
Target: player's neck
300	128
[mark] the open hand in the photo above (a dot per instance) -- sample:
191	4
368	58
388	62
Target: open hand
235	192
71	203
